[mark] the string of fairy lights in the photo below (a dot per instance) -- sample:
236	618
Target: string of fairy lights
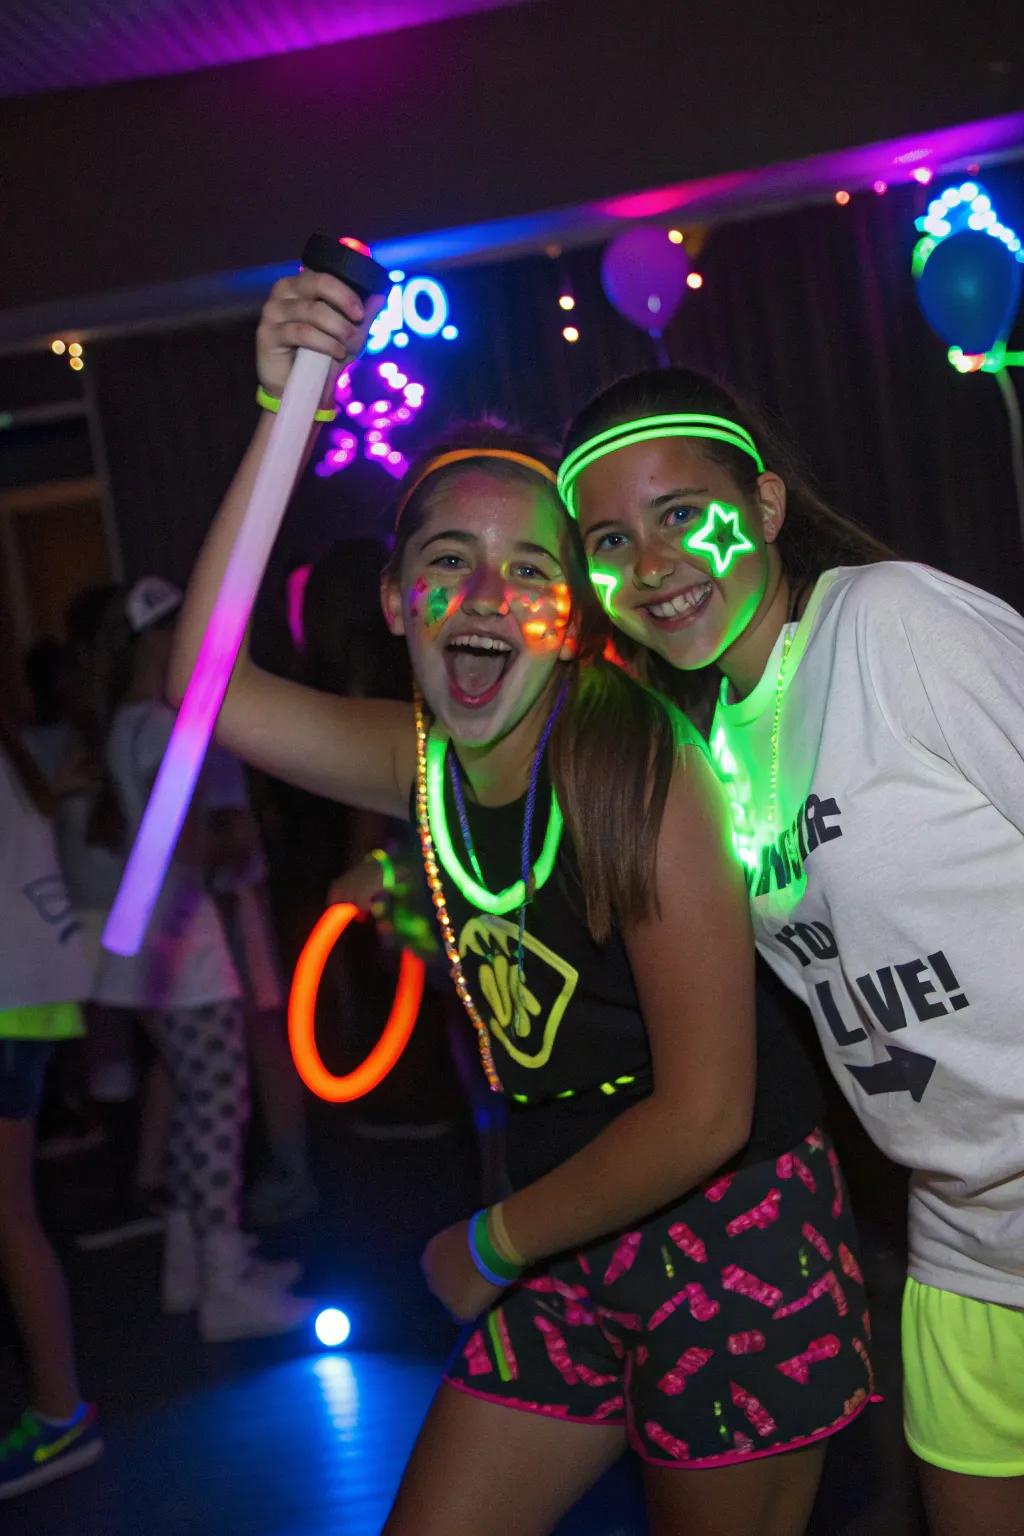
567	303
72	350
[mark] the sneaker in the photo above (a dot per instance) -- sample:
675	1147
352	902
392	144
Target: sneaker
36	1452
179	1275
138	1215
234	1305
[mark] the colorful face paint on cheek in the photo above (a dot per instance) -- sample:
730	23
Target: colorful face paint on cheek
440	603
434	605
606	584
720	538
544	619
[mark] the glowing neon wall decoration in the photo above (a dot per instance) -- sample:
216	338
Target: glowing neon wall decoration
389	397
967	285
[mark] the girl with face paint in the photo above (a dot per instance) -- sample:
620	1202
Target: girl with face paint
866	717
576	847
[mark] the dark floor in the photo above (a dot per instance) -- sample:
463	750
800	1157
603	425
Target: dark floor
280	1439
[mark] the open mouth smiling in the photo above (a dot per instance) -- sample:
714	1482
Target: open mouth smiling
476	664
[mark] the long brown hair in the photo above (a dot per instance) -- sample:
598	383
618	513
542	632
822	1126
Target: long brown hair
612	750
813	538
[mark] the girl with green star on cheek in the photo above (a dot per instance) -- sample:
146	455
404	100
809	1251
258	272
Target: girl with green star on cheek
866	717
576	848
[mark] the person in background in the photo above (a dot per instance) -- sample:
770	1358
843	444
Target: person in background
238	882
184	981
43	975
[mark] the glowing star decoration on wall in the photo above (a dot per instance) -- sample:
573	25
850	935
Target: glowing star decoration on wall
417	309
720	538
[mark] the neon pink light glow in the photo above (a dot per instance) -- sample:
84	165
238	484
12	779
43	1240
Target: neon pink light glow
384	416
296	589
179	770
923	175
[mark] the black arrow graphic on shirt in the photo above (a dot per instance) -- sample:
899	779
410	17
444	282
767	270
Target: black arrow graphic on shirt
906	1072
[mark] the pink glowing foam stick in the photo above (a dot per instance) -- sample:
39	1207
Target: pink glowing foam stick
175	782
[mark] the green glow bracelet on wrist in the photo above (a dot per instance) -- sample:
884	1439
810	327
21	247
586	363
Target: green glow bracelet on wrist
486	1257
272	403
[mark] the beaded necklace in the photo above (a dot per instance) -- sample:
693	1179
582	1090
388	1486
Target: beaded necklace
436	886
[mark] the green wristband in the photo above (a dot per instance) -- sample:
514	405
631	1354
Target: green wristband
487	1251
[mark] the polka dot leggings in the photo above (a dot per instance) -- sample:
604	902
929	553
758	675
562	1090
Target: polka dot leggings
205	1051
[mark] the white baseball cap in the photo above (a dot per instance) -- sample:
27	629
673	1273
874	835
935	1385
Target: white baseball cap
150	600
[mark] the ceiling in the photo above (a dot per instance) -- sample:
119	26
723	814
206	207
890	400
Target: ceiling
55	45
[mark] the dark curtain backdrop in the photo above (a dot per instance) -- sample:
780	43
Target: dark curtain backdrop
811	313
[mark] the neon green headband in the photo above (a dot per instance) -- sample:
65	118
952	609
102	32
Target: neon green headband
641	430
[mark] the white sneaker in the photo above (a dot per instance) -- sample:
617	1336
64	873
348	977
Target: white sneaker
179	1278
233	1305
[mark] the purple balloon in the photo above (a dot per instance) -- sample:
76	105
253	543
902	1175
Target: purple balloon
644	276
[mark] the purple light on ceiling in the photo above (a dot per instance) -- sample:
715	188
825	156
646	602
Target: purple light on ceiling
77	43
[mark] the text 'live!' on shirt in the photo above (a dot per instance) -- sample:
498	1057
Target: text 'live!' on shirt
890	893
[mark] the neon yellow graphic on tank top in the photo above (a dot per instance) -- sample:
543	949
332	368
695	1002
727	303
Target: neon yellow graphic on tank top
523	1019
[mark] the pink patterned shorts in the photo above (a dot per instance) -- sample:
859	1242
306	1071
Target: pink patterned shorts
732	1326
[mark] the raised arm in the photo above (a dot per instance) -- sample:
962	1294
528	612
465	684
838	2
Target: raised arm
360	751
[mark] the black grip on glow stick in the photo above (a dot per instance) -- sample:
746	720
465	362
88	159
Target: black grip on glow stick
361	273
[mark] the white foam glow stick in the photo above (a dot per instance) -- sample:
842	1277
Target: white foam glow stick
176	780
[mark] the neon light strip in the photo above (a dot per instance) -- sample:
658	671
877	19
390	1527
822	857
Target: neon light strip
645	429
478	895
176	780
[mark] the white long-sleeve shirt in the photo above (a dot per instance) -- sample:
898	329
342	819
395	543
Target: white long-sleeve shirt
889	889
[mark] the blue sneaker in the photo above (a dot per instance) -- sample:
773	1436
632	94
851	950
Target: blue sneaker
36	1452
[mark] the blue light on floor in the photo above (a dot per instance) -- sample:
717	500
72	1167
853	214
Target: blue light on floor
332	1327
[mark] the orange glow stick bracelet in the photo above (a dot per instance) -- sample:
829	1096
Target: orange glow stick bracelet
302	1014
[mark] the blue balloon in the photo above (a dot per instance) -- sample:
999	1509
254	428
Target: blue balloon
969	290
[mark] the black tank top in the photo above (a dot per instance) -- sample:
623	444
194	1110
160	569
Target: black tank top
570	1046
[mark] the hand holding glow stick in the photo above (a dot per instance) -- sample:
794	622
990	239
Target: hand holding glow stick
175	782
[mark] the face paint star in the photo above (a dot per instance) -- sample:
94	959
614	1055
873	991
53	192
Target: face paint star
720	537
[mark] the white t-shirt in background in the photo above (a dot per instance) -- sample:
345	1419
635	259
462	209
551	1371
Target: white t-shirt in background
41	956
184	961
890	894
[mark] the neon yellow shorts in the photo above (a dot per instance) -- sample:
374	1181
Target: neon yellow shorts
963	1382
